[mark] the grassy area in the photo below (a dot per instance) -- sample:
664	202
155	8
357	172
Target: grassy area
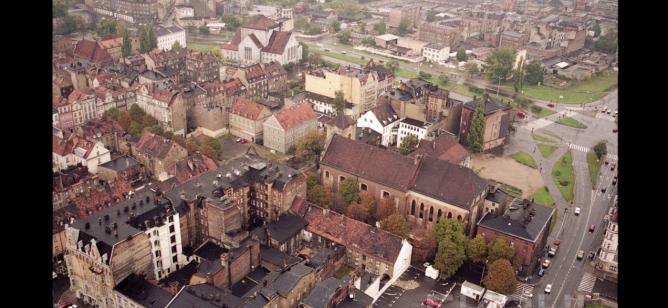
580	92
343	57
543	196
509	189
594	167
405	73
571	122
201	47
544	112
344	270
541	138
546	150
564	178
525	159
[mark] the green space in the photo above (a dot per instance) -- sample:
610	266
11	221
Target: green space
344	270
544	112
201	47
509	189
524	158
580	92
405	73
546	150
594	166
571	122
543	196
541	138
564	178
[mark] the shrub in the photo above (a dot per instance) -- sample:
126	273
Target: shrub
563	182
522	102
557	173
536	109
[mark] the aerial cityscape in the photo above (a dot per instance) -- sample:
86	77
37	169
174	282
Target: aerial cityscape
335	153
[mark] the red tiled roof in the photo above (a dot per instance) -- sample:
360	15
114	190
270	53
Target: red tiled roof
247	108
254	72
299	206
62	147
353	234
295	115
255	40
234	83
78	95
163	95
91	51
261	23
234	43
154	145
274	68
111	41
277	42
110	196
191	167
444	147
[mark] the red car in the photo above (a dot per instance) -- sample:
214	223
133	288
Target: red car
592	228
243	141
521	114
431	303
551	105
612	168
606	162
557	242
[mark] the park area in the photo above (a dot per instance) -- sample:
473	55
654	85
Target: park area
507	170
571	123
563	175
580	92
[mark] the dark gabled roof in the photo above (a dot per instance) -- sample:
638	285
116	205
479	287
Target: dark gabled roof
448	182
91	51
204	296
385	114
286	227
289	279
321	257
518	221
413	122
155	145
359	300
182	275
370	162
261	23
210	251
276	257
504	126
341	121
490	105
498	196
143	292
257	302
323	292
120	163
277	42
443	147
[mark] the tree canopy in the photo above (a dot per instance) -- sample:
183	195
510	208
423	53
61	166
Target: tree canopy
396	224
500	277
408	145
476	136
349	191
499	248
500	63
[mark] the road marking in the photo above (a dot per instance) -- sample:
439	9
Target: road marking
587	283
612	157
604	116
578	147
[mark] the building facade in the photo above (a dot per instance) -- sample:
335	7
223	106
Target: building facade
285	128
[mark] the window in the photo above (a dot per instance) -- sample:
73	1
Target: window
439	215
363	187
327	174
174	259
431	213
449	214
421	210
386	194
459	217
171	219
156	243
171	229
413	208
157	253
174	249
172	239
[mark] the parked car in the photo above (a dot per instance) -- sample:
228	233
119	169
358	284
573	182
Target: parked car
243	141
591	255
551	105
541	272
614	130
612	168
431	303
580	255
552	252
577	211
238	140
592	227
521	114
557	243
546	263
548	289
603	190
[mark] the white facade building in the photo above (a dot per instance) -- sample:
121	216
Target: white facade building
166	246
411	127
74	151
383	120
261	41
436	52
167	36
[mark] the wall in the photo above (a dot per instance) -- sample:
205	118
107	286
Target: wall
447	210
523	248
212	119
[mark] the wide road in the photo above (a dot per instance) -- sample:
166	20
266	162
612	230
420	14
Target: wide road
565	272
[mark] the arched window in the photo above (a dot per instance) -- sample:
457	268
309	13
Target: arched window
413	208
363	187
449	214
440	214
459	217
421	210
431	213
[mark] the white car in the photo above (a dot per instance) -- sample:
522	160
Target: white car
548	289
54	275
577	211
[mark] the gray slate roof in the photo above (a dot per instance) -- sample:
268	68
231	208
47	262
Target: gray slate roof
515	221
289	279
287	226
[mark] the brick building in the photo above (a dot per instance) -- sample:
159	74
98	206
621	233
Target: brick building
157	154
498	118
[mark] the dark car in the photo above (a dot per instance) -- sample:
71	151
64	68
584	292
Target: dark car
592	228
614	181
603	190
551	105
541	272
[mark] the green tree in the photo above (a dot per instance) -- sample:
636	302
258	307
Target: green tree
449	257
147	120
500	63
424	245
113	113
476	250
310	147
443	79
152	38
106	27
125	120
408	145
362	209
204	30
380	27
136	113
71	23
344	37
597	29
500	277
301	23
135	129
305	52
126	49
518	76
461	54
349	191
450	228
59	8
208	151
392	65
176	45
144	39
231	22
396	224
431	15
216	52
535	72
600	149
607	43
315	192
499	248
339	101
424	75
215	145
404	26
471	69
368	41
385	208
336	26
477	128
156	129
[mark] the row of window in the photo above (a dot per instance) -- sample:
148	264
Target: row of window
431	212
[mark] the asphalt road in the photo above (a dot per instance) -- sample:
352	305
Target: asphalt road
566	271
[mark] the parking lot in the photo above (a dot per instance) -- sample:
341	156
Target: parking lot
396	296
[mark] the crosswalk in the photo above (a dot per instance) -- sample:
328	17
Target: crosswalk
522	292
604	116
578	147
613	157
587	283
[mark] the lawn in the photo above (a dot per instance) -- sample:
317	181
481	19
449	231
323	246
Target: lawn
594	167
525	159
562	173
581	92
546	150
596	306
405	73
343	57
571	122
541	138
544	112
543	196
201	47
